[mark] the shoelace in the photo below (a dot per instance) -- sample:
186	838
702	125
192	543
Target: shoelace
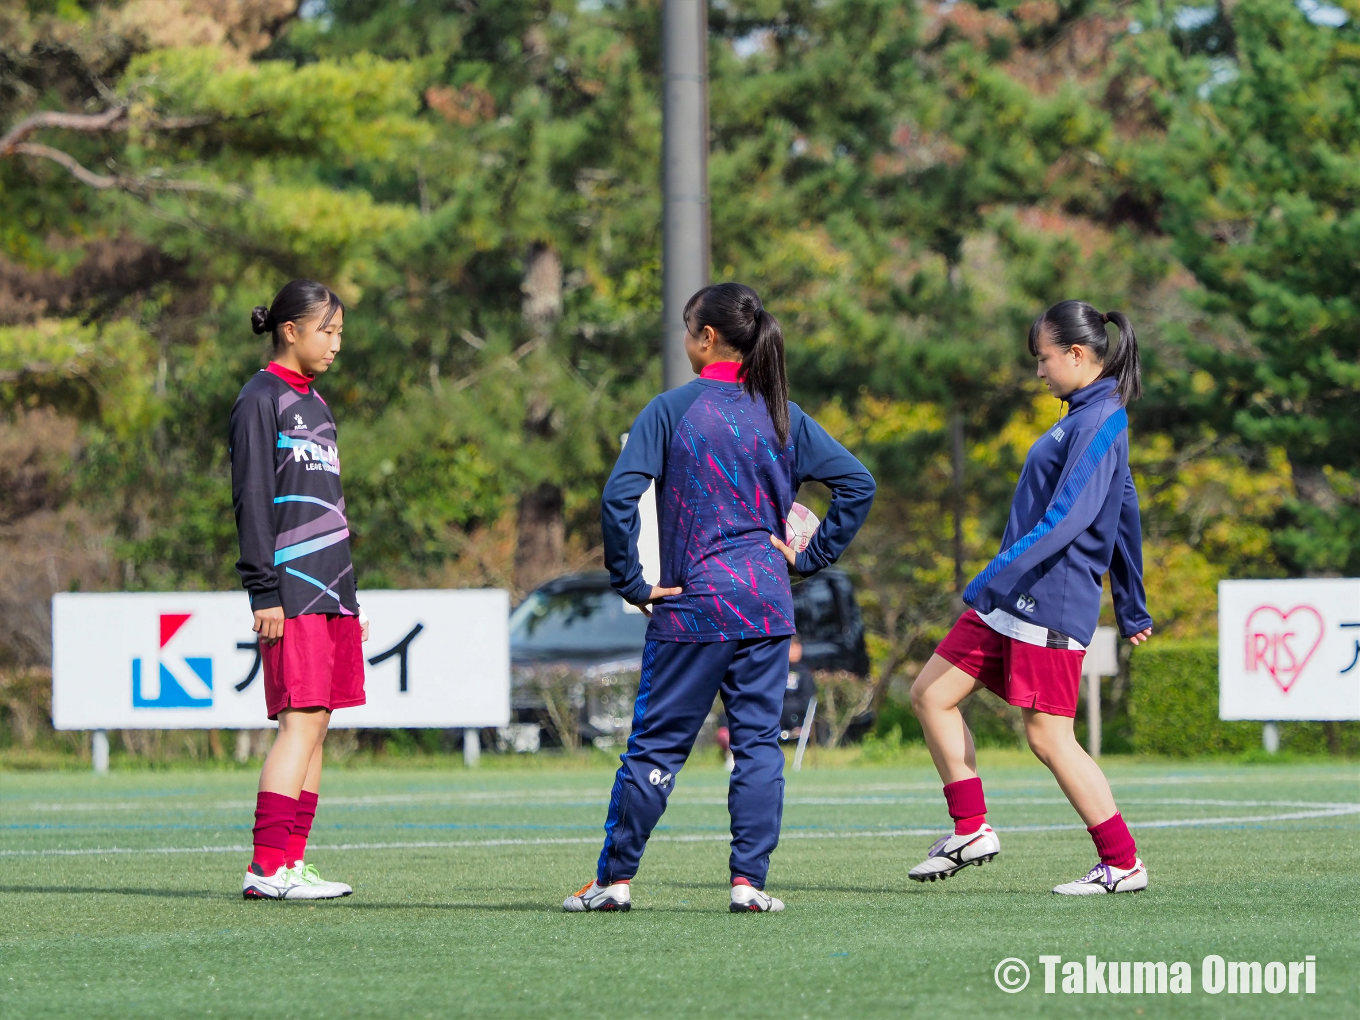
307	873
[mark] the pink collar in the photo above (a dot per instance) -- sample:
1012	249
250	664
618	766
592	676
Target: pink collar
297	380
723	371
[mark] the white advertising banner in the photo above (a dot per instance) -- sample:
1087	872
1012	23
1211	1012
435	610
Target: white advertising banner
1289	649
188	660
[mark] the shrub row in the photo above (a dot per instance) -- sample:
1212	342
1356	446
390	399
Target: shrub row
1173	709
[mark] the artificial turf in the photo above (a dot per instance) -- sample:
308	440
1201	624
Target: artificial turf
459	877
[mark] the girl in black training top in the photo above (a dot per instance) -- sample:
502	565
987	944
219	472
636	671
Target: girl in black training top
290	516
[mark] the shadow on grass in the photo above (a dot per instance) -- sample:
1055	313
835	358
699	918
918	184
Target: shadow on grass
204	894
184	894
526	908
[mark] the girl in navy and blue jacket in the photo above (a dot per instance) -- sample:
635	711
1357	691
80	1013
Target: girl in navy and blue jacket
1035	606
727	453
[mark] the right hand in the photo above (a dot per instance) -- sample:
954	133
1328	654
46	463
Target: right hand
269	624
657	595
789	554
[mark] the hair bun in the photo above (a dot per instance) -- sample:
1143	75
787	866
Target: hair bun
260	322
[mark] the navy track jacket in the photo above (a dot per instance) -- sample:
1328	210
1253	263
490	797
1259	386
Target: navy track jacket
1074	517
723	487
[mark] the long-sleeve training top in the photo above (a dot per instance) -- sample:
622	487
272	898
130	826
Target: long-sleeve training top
723	488
285	488
1074	517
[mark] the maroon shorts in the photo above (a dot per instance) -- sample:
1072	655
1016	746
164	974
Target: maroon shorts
1030	676
318	663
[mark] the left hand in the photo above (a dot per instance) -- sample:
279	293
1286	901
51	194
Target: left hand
363	625
789	554
658	593
1140	637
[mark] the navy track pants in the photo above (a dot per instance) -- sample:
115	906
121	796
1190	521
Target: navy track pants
675	693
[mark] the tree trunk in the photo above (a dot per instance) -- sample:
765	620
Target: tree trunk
542	288
542	527
538	549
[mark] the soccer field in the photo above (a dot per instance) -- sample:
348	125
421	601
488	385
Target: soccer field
120	896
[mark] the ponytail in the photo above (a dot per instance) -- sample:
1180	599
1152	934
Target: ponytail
1069	323
736	314
1123	363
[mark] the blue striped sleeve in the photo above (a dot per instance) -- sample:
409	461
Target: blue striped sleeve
1081	493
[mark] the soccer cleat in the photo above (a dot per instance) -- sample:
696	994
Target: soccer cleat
747	899
593	896
308	875
1106	879
259	886
284	884
951	853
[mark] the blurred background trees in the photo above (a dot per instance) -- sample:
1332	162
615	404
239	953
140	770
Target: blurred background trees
906	184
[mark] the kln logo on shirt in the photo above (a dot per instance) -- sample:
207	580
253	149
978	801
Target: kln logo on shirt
1058	433
314	455
175	680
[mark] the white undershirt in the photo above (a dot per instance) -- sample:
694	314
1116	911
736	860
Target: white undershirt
1030	633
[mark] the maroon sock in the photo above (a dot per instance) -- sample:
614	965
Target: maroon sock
967	806
274	814
1114	842
302	827
742	881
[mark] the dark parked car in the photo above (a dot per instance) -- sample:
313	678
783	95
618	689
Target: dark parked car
577	621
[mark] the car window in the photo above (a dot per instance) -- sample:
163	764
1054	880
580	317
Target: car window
815	612
576	620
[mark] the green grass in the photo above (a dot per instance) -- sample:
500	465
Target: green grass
473	926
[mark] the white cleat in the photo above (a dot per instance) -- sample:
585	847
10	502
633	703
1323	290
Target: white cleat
284	884
593	896
747	899
308	876
1106	879
953	853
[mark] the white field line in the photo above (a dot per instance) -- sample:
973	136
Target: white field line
1169	823
554	797
679	799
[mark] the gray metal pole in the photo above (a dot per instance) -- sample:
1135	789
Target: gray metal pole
684	177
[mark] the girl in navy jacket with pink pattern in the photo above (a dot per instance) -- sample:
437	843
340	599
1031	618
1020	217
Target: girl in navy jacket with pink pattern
728	453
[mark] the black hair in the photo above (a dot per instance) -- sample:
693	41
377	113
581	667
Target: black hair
297	301
1069	323
736	314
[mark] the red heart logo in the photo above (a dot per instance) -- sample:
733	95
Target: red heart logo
1275	640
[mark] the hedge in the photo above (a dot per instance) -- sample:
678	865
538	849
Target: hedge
1173	708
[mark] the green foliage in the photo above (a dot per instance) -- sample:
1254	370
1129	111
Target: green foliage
1256	180
1173	709
908	185
896	717
1173	702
